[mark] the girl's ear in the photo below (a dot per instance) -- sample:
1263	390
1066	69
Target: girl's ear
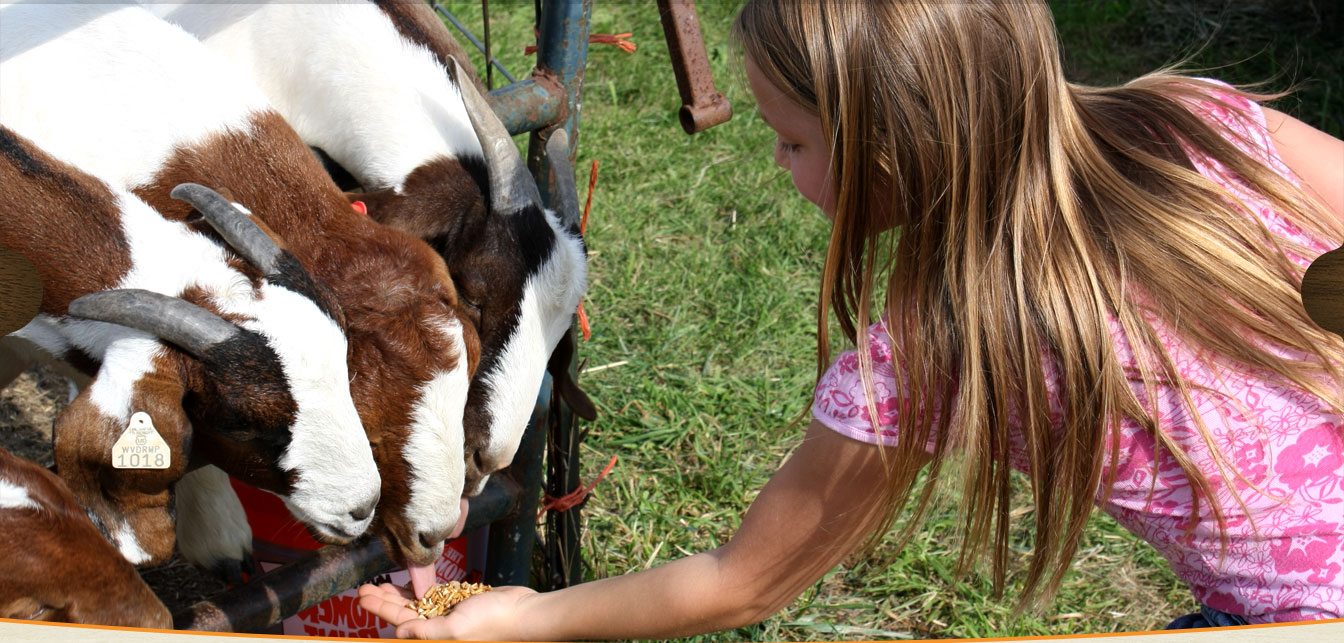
1323	291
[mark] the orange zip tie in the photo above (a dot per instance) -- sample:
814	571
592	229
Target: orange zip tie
573	498
583	226
618	40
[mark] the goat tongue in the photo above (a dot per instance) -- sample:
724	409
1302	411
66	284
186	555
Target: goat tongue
422	578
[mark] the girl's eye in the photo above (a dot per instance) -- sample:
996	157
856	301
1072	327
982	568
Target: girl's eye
787	148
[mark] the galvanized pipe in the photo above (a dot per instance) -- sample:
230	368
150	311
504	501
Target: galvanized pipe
702	106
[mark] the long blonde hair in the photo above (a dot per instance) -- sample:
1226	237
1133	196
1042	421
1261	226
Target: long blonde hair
1029	208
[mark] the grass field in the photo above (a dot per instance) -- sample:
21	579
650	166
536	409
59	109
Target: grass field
704	264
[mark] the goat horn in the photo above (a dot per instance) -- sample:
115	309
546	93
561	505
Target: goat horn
511	185
239	231
174	320
566	200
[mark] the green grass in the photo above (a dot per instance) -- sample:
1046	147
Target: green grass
703	273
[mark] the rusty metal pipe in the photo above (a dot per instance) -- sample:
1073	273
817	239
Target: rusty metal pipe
702	107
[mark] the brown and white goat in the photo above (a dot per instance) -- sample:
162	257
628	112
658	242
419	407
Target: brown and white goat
55	566
254	361
371	85
150	106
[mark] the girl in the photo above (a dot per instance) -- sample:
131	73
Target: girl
1094	286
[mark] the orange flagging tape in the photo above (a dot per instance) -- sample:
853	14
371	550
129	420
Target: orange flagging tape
592	183
583	324
573	498
618	40
583	227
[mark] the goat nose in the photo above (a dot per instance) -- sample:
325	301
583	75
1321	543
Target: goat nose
364	512
486	467
432	539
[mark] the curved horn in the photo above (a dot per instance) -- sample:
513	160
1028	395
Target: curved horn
178	321
566	199
511	185
240	232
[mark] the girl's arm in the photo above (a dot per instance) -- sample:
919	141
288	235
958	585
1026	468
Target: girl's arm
814	511
1315	157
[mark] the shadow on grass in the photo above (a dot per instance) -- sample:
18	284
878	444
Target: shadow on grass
1285	44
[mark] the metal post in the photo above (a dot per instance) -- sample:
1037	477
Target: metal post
563	54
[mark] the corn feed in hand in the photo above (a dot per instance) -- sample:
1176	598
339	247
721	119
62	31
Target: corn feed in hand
440	599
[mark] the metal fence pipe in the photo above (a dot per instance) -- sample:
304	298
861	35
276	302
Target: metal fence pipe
530	104
285	591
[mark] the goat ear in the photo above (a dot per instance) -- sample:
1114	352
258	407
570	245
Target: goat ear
27	608
564	383
374	202
402	214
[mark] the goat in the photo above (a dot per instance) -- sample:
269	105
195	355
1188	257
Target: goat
371	85
272	380
55	566
168	111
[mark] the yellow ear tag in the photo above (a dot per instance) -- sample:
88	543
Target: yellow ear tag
140	446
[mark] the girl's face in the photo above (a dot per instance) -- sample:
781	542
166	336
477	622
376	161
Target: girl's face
800	146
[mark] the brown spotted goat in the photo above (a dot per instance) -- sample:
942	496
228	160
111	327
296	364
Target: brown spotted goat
372	85
202	345
149	106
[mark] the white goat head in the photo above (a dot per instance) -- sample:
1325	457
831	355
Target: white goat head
519	268
264	395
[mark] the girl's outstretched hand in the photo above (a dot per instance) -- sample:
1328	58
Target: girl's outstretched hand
493	615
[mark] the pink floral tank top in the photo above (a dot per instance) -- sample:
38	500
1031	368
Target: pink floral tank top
1284	559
